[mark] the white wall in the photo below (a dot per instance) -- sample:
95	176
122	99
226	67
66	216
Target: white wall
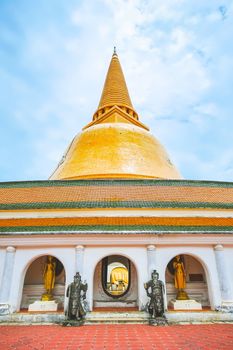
100	297
2	260
205	255
228	254
137	255
23	259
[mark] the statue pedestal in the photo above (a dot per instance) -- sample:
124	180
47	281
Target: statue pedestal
4	309
226	306
158	321
228	303
73	323
39	305
185	304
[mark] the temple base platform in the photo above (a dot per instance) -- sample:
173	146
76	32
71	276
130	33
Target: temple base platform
137	317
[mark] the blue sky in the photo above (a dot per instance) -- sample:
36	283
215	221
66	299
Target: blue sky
177	57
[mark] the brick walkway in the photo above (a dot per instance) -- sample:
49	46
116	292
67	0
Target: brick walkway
115	337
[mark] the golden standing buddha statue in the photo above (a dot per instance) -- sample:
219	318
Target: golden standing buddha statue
49	278
180	275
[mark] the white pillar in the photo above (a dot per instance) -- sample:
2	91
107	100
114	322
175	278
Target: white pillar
79	259
5	285
223	274
151	259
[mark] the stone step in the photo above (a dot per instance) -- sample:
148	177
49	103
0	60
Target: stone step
138	317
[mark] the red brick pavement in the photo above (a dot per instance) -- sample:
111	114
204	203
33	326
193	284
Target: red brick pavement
115	337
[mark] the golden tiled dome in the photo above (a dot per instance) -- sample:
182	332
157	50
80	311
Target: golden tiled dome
115	144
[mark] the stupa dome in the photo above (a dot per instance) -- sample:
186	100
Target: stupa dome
115	144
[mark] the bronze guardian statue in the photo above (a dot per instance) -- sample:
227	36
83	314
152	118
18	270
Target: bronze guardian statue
76	292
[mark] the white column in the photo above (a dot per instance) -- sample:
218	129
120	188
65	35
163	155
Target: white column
79	259
5	285
223	274
151	259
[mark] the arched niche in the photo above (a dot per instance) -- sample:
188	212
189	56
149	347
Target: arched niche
196	280
33	287
115	283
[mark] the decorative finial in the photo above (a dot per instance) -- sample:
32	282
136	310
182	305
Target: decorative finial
114	51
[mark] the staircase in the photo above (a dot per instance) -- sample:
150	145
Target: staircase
110	317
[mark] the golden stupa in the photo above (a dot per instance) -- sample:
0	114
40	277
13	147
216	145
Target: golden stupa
115	144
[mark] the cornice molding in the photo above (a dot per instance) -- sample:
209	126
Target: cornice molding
115	212
118	240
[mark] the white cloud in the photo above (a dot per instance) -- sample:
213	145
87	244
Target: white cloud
173	66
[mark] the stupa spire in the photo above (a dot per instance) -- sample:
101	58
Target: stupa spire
115	105
115	92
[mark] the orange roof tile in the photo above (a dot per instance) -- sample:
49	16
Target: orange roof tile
117	193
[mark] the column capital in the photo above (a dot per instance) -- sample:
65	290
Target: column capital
218	247
10	249
79	248
151	247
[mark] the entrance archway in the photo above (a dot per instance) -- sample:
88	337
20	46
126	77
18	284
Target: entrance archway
195	277
33	287
115	283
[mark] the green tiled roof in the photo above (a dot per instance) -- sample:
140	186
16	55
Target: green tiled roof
83	194
151	182
115	229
